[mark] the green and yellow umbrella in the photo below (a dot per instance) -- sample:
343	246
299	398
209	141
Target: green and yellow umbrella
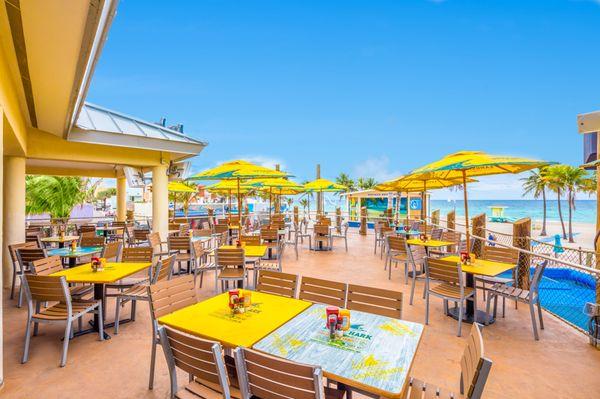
227	187
419	184
279	187
465	164
179	187
322	186
238	171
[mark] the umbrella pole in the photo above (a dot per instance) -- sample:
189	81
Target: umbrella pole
239	200
423	215
229	203
270	196
464	176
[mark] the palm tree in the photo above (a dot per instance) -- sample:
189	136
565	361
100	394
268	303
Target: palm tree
574	179
536	184
56	195
366	183
307	196
555	177
345	180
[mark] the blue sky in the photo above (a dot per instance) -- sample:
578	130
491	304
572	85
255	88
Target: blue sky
371	88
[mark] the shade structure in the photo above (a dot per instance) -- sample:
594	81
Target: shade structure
178	187
322	186
419	183
465	164
227	188
238	170
279	187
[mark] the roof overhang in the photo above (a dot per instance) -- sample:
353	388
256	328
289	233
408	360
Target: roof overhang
71	168
54	46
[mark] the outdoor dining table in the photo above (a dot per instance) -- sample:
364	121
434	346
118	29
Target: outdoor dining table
374	356
113	272
72	255
427	244
60	240
401	231
213	319
250	252
480	267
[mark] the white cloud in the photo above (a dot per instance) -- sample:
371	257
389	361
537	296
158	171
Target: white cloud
507	186
377	168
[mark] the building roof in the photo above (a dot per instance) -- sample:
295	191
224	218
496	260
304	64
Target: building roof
100	125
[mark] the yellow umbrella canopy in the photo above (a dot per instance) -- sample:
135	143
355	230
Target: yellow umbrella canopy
323	185
465	164
237	170
178	187
226	186
278	186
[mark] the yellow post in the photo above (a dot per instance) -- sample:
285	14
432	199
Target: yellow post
160	201
319	195
363	221
13	211
121	199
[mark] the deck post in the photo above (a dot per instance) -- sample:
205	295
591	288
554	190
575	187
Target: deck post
451	220
521	239
363	221
121	198
160	201
478	229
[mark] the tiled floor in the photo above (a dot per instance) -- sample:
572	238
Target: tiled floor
560	365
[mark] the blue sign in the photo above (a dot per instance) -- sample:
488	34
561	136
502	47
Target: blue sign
415	204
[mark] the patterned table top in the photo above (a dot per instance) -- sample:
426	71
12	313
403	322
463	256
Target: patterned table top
375	355
482	267
60	239
79	251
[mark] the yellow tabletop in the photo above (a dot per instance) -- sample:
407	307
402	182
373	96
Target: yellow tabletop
234	227
113	271
482	267
251	251
60	239
212	319
429	243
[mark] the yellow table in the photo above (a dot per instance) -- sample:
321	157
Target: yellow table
60	240
480	267
251	251
212	319
429	243
113	271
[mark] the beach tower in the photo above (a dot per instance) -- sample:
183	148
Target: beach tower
498	214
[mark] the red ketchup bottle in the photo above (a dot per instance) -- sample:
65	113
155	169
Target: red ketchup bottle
233	298
332	319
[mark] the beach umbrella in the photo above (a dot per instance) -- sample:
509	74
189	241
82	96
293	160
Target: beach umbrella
419	184
237	171
178	187
322	186
278	186
227	188
465	164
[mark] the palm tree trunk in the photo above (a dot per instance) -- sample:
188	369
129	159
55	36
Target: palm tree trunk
570	197
543	233
562	222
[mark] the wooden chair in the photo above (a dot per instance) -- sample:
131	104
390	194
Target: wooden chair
92	241
277	283
381	232
167	297
232	265
451	287
301	233
202	264
43	289
449	236
322	235
375	300
53	264
498	254
268	377
531	297
182	247
156	244
202	360
87	228
112	251
184	230
139	292
140	237
270	237
475	368
396	252
436	233
323	291
25	257
35	238
250	240
343	234
134	255
270	265
416	258
16	266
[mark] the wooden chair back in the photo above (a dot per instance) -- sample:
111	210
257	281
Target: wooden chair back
28	255
171	295
184	230
46	266
250	240
46	288
436	233
269	377
202	232
112	251
174	226
500	254
137	254
92	241
323	291
119	224
321	229
451	236
221	228
385	230
199	358
444	271
163	269
277	283
397	244
418	254
375	300
198	249
324	220
269	234
179	243
34	237
12	248
140	234
233	220
222	221
230	257
475	367
87	228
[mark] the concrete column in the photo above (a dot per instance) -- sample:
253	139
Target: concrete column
160	201
13	211
121	199
2	278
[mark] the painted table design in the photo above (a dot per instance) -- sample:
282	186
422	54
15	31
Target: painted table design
212	318
60	240
375	354
73	255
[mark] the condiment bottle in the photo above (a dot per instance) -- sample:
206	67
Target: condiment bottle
345	318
